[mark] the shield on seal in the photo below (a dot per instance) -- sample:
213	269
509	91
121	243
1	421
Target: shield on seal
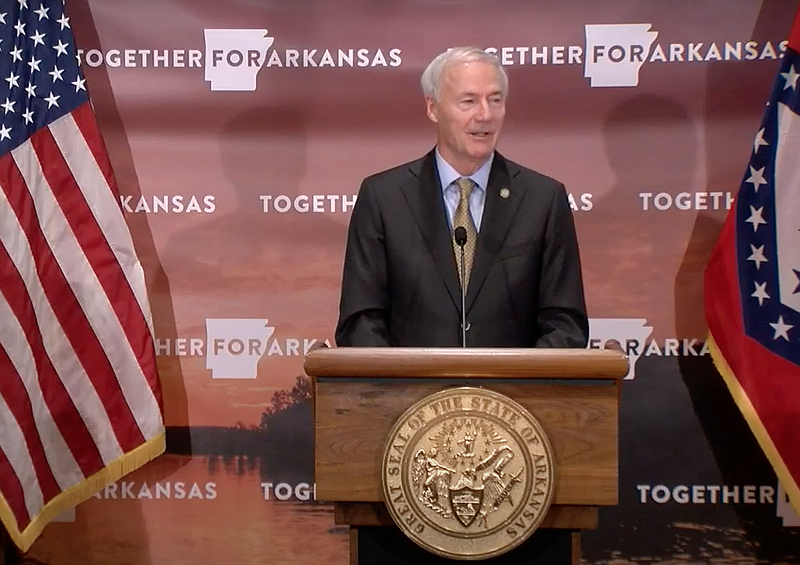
466	503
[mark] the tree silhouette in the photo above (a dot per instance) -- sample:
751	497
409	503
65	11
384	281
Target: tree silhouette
284	399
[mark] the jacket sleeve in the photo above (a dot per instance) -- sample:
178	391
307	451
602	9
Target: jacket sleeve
562	320
364	302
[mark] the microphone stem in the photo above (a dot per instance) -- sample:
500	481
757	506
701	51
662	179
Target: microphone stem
463	301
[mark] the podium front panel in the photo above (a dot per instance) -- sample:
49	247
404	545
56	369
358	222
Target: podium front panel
354	417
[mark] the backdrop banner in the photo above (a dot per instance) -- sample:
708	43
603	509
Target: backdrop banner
239	133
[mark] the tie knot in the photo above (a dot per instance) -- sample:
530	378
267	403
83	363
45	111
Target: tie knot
465	185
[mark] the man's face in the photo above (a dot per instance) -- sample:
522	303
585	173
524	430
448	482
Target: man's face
469	114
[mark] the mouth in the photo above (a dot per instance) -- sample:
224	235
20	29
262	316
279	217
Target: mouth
481	134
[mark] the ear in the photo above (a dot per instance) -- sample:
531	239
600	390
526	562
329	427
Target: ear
430	109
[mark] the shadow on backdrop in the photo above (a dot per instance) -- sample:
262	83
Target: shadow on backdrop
264	158
630	255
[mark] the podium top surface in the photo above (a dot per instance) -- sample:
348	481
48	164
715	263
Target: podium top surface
412	362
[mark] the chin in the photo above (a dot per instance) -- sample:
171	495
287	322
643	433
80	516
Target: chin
482	154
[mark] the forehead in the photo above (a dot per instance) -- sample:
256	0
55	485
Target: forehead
472	76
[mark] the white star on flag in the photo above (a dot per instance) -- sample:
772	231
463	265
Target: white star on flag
760	293
755	218
756	177
42	12
781	329
61	47
791	78
38	39
52	100
759	141
757	256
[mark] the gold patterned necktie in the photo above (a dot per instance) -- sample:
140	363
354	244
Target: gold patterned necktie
463	218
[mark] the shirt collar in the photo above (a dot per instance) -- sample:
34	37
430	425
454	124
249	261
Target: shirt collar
447	174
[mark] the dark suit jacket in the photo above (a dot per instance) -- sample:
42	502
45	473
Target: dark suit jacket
400	283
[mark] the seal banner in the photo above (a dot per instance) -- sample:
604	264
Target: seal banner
467	473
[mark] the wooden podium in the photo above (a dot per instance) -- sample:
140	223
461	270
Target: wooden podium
359	393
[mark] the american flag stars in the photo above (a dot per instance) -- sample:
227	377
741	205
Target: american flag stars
39	66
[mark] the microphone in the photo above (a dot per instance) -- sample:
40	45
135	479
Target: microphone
460	234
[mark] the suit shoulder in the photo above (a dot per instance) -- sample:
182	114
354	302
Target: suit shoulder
392	176
535	179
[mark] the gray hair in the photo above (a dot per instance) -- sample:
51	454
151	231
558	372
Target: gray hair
431	80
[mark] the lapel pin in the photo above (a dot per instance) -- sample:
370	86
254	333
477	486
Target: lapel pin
504	193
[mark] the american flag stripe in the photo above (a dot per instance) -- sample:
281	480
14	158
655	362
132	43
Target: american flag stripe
60	351
80	143
25	307
12	487
86	123
82	309
85	255
12	442
24	400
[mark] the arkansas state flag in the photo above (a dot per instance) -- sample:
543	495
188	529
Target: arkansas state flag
752	283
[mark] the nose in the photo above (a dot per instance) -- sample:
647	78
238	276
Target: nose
483	112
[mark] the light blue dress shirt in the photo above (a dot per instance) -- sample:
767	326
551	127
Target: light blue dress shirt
452	194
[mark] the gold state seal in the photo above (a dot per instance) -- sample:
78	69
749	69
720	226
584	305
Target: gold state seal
467	473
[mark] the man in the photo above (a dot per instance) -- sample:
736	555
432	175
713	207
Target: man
402	270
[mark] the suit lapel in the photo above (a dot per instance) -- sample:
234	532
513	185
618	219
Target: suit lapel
500	207
424	196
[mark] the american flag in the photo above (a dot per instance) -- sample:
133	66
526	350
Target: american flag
752	283
80	399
